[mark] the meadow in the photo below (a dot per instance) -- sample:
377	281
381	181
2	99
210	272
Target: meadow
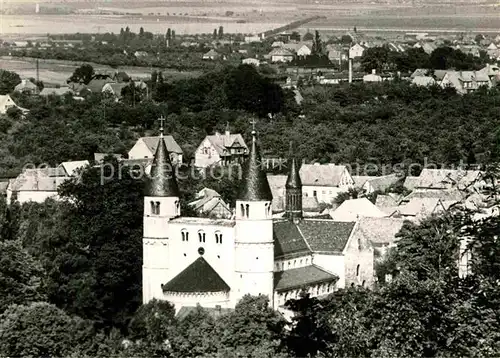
55	72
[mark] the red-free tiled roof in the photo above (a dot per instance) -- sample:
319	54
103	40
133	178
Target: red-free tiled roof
300	277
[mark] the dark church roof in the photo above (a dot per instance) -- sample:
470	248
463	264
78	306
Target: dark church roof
300	277
197	277
310	235
162	181
255	186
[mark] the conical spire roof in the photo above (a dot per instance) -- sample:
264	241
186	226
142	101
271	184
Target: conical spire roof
255	186
293	181
162	181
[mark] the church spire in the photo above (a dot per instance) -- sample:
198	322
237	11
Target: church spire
293	181
162	182
255	186
293	188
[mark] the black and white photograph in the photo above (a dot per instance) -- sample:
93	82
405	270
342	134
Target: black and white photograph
252	179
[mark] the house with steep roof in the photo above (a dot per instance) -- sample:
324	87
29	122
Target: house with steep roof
114	89
215	262
325	181
353	209
209	203
26	86
220	149
7	102
380	232
304	50
145	148
356	51
421	208
211	55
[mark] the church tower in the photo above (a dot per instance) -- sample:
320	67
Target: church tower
293	189
254	244
161	203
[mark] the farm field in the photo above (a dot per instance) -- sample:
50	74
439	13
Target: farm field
55	72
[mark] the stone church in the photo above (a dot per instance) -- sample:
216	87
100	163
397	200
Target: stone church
215	262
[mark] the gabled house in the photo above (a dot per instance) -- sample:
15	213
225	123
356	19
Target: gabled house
220	149
208	202
371	184
432	179
6	102
121	76
352	210
356	51
281	55
380	232
423	81
211	55
26	86
145	147
325	181
304	51
465	81
114	89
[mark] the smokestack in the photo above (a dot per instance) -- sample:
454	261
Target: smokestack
350	70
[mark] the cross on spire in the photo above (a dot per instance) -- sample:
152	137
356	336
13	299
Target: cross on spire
161	119
253	128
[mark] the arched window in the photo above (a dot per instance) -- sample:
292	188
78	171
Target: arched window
242	207
294	263
269	209
357	271
363	284
201	236
185	235
248	210
153	208
218	237
157	208
177	206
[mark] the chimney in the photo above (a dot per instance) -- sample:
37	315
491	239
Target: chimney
350	70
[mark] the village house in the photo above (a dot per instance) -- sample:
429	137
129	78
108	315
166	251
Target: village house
6	102
26	86
423	81
251	61
37	185
465	81
381	232
372	184
304	50
353	209
439	179
57	91
145	148
114	89
373	77
325	181
220	149
356	51
281	55
209	203
211	55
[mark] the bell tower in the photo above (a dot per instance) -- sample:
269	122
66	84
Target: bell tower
161	203
293	189
254	242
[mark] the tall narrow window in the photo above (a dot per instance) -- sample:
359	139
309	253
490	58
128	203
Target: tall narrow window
153	207
242	209
218	237
357	271
201	236
177	205
157	208
185	235
248	210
